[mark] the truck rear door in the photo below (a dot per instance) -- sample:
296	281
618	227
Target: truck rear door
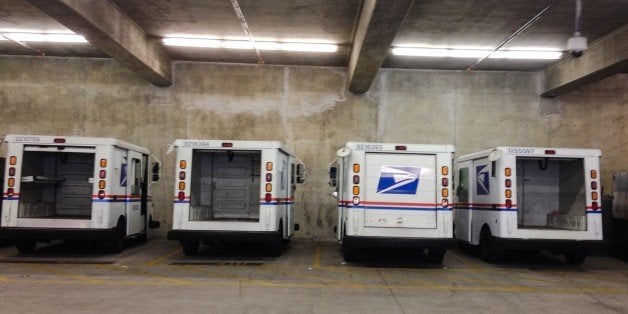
400	190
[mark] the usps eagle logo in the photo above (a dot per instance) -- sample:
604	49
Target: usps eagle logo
398	180
482	184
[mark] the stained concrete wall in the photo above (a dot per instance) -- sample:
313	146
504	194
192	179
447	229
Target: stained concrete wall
310	110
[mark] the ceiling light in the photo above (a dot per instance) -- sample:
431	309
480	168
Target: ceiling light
43	37
242	44
521	53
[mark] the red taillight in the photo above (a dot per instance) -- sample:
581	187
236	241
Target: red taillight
269	177
10	192
182	175
11	171
444	182
227	144
356	179
400	147
181	196
101	194
508	183
59	140
268	198
594	206
550	152
445	202
103	174
508	203
593	185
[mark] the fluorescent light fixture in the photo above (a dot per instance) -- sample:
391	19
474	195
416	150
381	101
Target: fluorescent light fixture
43	37
242	44
460	52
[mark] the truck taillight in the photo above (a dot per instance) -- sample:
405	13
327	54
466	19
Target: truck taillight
269	187
356	190
227	145
594	196
507	172
269	177
445	202
102	184
594	206
181	195
12	160
356	168
103	163
508	193
593	174
445	192
508	183
59	140
182	175
181	185
183	164
11	182
268	198
101	194
12	171
269	166
400	147
444	170
508	203
356	200
102	174
444	182
593	185
550	152
10	192
356	179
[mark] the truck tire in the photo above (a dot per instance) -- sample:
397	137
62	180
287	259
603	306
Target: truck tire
276	247
487	248
26	246
575	257
437	255
116	243
349	252
190	247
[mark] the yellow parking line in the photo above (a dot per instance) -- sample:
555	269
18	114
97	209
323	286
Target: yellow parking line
48	270
316	263
473	265
158	259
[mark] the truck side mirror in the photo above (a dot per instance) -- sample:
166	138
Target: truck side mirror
300	173
333	173
155	171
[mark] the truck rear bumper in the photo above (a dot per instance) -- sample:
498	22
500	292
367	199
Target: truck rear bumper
227	236
384	242
547	244
46	234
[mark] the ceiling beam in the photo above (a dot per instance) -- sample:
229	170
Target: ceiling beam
106	27
606	57
377	27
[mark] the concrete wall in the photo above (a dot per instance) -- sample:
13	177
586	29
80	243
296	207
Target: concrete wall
309	109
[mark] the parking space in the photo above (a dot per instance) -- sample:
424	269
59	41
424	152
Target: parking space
309	277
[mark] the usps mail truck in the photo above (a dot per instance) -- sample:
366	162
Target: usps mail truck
392	195
234	191
74	188
529	198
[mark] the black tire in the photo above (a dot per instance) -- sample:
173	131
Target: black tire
575	257
349	253
26	246
190	247
437	255
487	248
276	247
116	244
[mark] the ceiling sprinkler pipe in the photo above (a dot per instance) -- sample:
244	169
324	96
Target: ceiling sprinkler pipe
578	14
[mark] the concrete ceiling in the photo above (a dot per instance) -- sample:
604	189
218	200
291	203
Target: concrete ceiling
428	22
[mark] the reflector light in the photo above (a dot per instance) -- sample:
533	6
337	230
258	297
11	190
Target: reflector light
508	183
356	179
269	187
102	174
102	184
594	196
103	163
268	198
101	194
444	192
10	192
269	166
593	185
356	168
11	182
594	206
227	145
181	196
445	202
59	140
181	185
507	172
183	164
508	203
593	174
550	152
356	190
269	177
400	147
11	171
444	170
508	193
356	200
444	182
181	175
12	160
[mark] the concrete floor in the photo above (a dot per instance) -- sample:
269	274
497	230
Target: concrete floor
308	277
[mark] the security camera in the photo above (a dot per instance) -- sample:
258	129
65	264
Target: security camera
577	45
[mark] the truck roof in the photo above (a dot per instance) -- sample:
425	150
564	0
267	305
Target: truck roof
72	140
424	148
218	144
534	152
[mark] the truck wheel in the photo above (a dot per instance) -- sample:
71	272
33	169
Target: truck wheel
26	246
190	247
437	255
487	247
575	257
349	253
116	244
276	247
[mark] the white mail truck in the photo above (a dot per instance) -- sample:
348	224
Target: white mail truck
393	195
529	198
234	191
75	188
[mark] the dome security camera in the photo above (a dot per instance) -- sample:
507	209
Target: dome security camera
577	45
